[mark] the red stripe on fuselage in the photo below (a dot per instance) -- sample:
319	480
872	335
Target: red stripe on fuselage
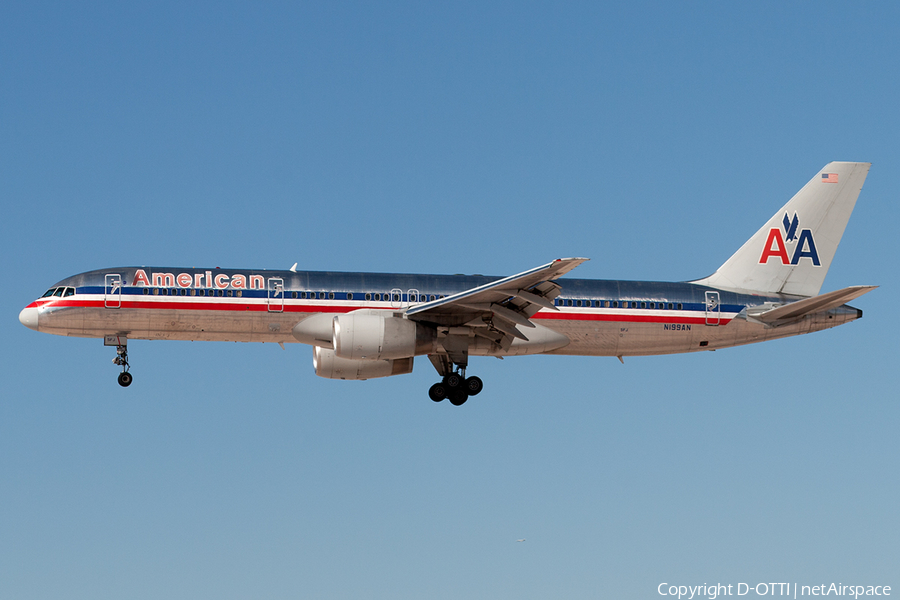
656	318
309	308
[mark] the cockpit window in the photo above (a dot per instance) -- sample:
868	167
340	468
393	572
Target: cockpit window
59	291
69	292
48	292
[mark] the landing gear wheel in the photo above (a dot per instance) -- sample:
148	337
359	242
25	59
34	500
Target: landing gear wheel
474	385
453	380
437	392
121	360
458	396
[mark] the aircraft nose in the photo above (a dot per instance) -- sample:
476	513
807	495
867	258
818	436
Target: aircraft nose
29	317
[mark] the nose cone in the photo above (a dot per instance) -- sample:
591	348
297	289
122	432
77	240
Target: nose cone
29	317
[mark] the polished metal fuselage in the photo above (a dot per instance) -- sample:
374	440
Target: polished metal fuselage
599	317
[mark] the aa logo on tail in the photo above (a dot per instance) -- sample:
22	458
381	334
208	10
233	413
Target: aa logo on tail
777	244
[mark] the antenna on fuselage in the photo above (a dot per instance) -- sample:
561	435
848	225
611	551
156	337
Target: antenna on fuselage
294	268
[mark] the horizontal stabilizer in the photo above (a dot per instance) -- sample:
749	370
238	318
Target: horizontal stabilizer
810	306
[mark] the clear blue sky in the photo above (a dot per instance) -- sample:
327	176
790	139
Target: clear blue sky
654	138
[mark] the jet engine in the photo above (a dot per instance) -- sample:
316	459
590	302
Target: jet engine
366	336
329	366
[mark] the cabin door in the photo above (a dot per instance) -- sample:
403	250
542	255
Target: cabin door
712	308
275	294
112	291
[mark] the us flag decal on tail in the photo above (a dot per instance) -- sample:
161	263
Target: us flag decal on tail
829	177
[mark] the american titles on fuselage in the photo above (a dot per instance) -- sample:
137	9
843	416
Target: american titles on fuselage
199	280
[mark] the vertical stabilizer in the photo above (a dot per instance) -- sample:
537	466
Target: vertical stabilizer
792	252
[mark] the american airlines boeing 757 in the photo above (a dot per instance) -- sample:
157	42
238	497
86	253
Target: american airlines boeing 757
367	325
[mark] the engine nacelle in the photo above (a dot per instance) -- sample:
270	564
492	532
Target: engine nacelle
329	366
366	336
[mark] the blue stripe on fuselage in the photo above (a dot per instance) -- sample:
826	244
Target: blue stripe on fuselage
691	296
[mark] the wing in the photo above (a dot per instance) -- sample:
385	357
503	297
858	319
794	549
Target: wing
496	310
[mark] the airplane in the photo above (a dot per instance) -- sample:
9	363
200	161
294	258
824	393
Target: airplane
369	325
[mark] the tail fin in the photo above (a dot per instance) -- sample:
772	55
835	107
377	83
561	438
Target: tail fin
792	252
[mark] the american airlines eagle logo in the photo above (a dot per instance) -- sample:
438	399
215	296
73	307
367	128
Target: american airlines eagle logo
804	246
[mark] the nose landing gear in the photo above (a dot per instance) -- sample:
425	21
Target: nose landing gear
125	378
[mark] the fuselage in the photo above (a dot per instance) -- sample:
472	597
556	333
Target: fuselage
598	317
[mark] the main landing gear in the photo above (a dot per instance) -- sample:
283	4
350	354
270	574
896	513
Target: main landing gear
457	387
121	359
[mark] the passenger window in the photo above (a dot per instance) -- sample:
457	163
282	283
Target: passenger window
193	292
680	306
230	293
156	291
146	291
368	296
240	293
432	297
349	295
643	305
670	306
331	295
606	304
294	295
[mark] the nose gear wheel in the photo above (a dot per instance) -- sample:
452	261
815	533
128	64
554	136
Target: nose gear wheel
125	378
